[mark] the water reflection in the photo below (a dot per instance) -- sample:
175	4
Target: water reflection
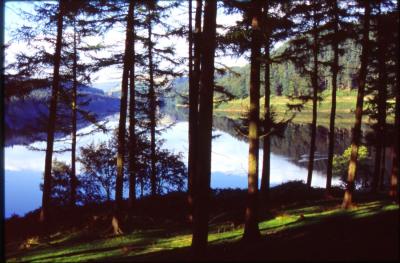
295	143
24	168
229	160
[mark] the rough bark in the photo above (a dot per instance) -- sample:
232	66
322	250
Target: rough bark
201	189
356	136
122	122
52	117
335	70
251	231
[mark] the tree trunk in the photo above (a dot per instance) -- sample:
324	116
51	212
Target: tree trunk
314	82
122	122
201	186
191	121
356	138
153	108
132	124
73	134
382	171
382	97
265	177
52	118
335	69
394	175
194	106
251	231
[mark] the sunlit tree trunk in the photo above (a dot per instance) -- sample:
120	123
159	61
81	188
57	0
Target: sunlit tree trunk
251	231
73	134
122	122
153	108
201	186
52	117
356	136
132	124
335	69
265	177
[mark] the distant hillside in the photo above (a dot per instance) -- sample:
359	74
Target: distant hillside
285	79
25	118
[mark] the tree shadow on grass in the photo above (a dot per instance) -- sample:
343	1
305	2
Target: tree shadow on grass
341	237
365	233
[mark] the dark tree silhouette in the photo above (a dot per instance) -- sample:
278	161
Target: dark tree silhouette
152	104
194	77
381	100
201	186
74	120
122	120
394	175
275	28
304	51
265	175
334	38
52	116
132	124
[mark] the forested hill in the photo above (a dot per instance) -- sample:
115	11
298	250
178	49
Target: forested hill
27	115
285	79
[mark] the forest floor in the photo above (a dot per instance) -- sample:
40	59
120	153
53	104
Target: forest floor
299	225
345	106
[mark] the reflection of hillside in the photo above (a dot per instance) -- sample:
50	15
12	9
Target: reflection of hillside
294	145
26	117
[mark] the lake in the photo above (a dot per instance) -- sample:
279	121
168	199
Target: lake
24	167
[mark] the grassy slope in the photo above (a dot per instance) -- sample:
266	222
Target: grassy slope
317	230
346	101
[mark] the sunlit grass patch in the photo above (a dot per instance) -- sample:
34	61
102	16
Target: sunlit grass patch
227	236
345	106
57	253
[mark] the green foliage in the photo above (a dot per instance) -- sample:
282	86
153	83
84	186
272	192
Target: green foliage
341	164
286	80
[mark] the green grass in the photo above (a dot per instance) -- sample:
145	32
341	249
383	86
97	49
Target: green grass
71	247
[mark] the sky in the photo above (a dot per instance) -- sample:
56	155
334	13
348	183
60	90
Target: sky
111	77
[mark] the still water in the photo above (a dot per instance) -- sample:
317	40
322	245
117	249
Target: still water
24	167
